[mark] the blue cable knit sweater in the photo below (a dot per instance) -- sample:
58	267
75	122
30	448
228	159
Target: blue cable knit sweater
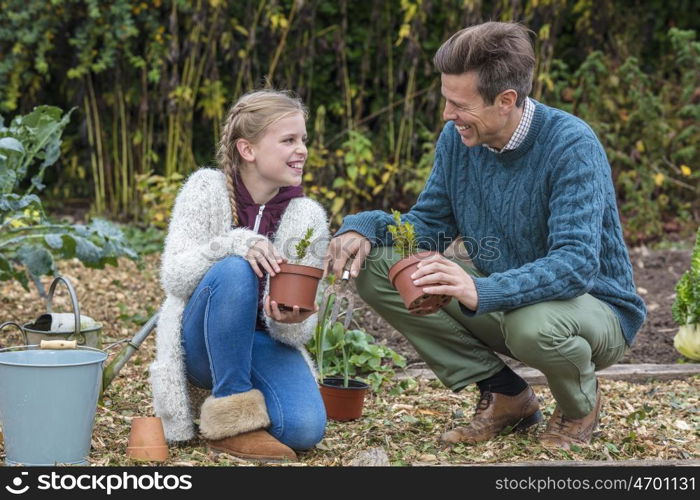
540	221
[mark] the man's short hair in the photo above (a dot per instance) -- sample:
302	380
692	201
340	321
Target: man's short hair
500	53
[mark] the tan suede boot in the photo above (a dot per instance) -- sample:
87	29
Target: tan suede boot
562	432
235	425
494	413
254	445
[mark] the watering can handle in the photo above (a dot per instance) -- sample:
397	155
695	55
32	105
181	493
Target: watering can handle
58	344
73	299
17	325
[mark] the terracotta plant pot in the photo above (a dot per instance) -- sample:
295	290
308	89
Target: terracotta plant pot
295	285
147	440
416	301
343	403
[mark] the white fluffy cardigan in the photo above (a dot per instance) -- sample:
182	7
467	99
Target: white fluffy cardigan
200	233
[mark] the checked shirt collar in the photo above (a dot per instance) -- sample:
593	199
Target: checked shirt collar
521	131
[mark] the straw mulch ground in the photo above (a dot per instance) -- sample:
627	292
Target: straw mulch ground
656	420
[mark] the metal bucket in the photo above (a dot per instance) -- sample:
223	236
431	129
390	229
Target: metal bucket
48	399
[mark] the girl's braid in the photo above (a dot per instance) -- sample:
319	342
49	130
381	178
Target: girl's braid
226	159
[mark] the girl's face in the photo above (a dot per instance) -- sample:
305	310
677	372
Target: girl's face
280	154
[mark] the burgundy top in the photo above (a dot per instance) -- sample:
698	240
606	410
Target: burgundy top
271	215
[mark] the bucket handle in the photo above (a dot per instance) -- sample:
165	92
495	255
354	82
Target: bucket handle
17	325
73	299
58	344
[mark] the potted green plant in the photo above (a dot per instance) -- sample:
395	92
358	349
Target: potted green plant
416	301
342	353
686	308
296	284
343	397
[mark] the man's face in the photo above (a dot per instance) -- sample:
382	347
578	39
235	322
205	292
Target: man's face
476	121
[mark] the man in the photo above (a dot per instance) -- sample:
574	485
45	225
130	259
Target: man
551	284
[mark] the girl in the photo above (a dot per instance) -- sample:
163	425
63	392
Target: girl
218	329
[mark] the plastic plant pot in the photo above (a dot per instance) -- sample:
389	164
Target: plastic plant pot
414	299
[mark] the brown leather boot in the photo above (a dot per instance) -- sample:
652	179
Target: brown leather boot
494	413
562	432
254	445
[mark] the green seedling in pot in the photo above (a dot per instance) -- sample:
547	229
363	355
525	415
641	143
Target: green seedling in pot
347	352
302	247
404	235
297	281
404	242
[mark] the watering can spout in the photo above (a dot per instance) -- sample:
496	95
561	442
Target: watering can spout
123	356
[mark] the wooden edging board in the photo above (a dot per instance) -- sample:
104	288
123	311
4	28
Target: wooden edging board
576	463
629	372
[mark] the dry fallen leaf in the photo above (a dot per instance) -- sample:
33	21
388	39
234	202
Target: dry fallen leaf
427	412
682	425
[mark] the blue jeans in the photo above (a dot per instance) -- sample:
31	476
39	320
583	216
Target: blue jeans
224	353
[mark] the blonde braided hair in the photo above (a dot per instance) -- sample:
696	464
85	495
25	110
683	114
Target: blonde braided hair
248	119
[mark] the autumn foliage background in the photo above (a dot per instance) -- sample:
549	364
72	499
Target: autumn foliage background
151	82
144	85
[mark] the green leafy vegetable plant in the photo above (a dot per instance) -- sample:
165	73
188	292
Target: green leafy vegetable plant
351	352
686	308
29	240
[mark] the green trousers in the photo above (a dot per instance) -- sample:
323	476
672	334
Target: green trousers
567	340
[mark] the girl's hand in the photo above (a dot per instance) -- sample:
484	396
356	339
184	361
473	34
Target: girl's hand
294	315
264	254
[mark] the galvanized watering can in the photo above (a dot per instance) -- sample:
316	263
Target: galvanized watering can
89	335
84	337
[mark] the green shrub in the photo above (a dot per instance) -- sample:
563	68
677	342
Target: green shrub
649	124
144	241
157	196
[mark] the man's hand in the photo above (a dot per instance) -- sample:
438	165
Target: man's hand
295	315
441	276
341	248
